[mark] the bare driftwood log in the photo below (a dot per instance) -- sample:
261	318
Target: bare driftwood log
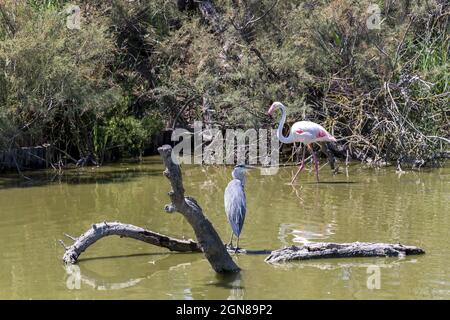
341	250
104	229
123	230
209	240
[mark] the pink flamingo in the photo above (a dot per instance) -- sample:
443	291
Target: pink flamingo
305	132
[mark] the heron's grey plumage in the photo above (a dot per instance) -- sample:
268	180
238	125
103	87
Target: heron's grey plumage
235	205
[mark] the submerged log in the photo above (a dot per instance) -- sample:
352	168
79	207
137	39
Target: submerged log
341	250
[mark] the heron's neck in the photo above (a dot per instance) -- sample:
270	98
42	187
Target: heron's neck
240	177
280	136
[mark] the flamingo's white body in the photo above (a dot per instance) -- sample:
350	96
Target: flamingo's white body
305	132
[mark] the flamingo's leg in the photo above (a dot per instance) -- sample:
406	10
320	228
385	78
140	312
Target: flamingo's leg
316	162
301	166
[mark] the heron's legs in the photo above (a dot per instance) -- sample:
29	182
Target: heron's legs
300	168
237	245
316	162
231	240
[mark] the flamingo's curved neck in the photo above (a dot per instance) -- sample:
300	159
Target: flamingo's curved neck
280	136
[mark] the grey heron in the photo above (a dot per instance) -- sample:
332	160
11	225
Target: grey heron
235	202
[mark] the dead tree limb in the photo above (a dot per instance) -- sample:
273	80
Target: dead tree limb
123	230
341	250
104	229
208	239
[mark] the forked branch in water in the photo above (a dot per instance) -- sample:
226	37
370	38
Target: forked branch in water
208	239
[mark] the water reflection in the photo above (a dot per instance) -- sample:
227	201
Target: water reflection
233	283
304	233
81	273
75	278
346	266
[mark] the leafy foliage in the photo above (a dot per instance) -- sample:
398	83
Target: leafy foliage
385	91
137	66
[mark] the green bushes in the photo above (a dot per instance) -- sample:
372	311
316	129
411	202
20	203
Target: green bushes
55	80
58	86
127	135
107	88
385	91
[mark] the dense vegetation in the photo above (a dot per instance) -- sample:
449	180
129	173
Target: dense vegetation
135	67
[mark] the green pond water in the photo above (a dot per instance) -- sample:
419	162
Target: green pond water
360	204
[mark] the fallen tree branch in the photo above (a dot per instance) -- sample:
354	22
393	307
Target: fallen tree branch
123	230
341	250
104	229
